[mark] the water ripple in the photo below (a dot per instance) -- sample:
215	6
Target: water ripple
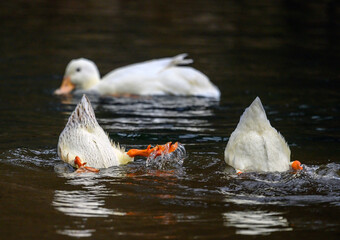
31	158
313	185
86	202
256	222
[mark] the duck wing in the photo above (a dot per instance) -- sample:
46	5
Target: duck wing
159	77
150	67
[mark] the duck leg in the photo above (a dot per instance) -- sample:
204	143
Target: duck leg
159	149
81	166
141	152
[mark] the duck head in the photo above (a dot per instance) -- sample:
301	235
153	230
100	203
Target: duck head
81	74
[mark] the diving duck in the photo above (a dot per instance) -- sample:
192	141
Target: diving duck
255	146
84	142
155	77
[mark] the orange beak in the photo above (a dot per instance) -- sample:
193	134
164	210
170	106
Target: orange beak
66	87
296	165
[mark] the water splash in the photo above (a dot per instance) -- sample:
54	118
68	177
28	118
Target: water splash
167	160
313	185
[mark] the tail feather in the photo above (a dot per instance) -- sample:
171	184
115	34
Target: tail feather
180	60
254	117
83	114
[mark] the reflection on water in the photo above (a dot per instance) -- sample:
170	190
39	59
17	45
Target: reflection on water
81	204
256	222
93	190
77	233
155	113
88	202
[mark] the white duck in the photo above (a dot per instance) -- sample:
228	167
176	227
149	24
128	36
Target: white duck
256	146
83	141
154	77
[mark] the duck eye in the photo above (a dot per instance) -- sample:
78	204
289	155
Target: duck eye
78	69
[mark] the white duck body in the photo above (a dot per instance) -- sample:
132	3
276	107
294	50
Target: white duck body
255	145
83	137
154	77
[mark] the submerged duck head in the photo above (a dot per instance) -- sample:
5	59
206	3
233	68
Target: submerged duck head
81	74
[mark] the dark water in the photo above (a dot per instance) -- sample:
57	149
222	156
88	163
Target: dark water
286	52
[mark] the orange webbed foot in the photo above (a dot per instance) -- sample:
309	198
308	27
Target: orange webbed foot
296	166
140	152
81	166
159	150
166	148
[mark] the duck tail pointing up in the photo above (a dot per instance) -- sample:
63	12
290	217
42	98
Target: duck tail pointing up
83	114
180	60
254	116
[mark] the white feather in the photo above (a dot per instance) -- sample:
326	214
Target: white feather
255	145
83	137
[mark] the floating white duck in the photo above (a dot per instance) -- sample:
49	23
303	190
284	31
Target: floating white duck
154	77
83	141
255	146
